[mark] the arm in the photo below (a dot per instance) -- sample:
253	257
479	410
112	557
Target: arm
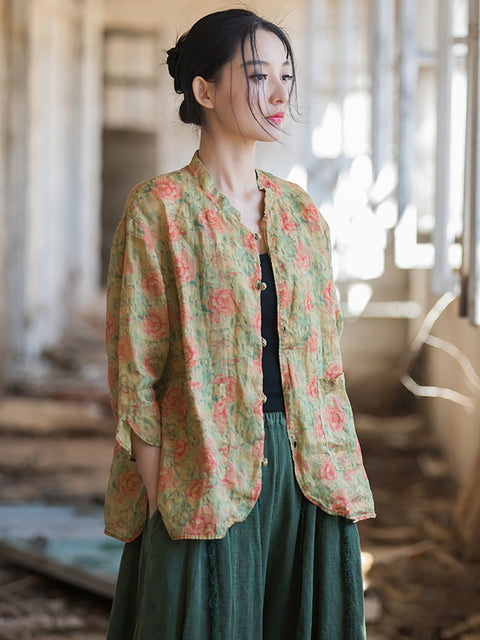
148	463
137	341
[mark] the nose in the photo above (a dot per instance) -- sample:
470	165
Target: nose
280	92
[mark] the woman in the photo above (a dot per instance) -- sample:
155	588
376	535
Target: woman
237	476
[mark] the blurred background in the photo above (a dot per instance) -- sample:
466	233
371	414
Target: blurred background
387	144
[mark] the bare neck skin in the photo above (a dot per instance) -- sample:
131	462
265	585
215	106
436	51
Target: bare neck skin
231	164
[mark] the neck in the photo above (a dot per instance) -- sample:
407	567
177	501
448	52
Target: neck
230	164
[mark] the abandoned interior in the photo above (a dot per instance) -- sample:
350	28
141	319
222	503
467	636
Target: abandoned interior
386	140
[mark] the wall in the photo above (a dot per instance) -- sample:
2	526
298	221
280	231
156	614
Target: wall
3	159
457	429
51	100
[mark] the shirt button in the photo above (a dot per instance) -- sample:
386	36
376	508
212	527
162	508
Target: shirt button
261	285
264	342
257	236
264	462
264	398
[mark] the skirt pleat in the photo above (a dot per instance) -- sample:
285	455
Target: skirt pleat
290	571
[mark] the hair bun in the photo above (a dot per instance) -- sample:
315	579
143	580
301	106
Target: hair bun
173	59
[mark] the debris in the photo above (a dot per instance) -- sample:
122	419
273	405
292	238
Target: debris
373	608
102	586
471	624
389	555
49	417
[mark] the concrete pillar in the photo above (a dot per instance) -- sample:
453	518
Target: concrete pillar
3	164
14	153
64	125
382	65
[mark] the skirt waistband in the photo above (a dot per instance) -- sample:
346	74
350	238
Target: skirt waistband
274	419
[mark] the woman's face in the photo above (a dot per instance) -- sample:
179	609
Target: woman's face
254	107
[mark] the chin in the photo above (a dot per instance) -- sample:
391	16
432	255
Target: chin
274	136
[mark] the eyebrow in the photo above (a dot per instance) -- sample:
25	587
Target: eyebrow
255	63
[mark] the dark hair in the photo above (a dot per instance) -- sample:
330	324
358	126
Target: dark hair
208	46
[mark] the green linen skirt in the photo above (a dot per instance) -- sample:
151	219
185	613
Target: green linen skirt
288	572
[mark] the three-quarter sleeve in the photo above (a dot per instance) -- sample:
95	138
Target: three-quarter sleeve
137	329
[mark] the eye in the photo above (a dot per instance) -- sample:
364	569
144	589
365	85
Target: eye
257	77
287	77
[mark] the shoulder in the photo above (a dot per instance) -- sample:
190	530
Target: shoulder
165	188
294	197
150	199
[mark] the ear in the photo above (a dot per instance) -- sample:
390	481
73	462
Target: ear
204	92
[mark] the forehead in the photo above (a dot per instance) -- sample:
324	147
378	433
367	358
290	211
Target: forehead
267	46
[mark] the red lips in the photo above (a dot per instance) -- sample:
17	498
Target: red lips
276	118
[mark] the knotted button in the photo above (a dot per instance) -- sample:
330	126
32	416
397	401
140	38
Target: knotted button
257	236
264	342
261	285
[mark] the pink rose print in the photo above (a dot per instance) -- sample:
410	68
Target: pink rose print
196	489
312	387
230	479
181	448
333	371
191	354
127	267
212	220
203	522
168	191
340	503
266	182
129	485
184	268
257	322
173	231
257	365
335	415
248	242
318	427
307	303
153	284
166	479
149	366
173	400
125	351
327	471
284	293
312	342
220	302
302	257
327	295
286	223
207	461
220	413
155	323
230	383
310	213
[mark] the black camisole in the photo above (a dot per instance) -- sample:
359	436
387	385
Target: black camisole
272	381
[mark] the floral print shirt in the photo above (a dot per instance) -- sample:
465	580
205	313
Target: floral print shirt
184	352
